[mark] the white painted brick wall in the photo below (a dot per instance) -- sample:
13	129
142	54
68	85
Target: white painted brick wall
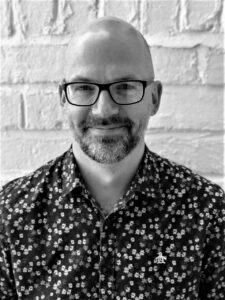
186	40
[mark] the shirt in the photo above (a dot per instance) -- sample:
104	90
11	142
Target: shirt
163	240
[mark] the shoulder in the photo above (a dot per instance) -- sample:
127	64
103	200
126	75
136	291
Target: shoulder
20	192
182	181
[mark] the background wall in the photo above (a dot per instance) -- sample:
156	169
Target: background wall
187	47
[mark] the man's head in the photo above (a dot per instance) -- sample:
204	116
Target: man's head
109	50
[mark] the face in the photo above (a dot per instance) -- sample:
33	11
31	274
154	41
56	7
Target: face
108	132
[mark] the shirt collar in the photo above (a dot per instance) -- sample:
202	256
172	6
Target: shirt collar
71	176
146	180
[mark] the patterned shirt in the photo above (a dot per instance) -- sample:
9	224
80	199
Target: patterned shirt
164	239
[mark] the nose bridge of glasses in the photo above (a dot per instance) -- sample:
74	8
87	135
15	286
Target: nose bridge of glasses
105	87
105	104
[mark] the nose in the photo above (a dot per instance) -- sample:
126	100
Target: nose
105	106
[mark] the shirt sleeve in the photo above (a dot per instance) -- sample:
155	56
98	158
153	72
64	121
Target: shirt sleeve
7	287
212	285
7	284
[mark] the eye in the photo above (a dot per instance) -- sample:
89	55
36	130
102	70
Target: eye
78	87
125	86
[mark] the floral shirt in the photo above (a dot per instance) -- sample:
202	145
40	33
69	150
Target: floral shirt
165	238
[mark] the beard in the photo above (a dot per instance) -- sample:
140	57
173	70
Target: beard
106	149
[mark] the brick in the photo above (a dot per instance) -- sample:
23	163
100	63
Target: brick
53	17
81	12
211	65
31	63
10	109
222	29
32	149
127	10
6	18
56	18
35	15
42	109
175	65
190	108
159	17
214	71
189	40
204	15
202	152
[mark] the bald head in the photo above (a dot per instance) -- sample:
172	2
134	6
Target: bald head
112	38
108	24
114	26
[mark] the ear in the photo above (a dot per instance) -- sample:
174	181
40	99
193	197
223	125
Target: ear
62	95
156	96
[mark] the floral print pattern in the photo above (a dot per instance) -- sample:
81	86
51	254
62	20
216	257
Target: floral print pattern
164	239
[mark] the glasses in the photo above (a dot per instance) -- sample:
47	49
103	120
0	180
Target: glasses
122	92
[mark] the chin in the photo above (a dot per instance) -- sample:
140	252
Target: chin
108	150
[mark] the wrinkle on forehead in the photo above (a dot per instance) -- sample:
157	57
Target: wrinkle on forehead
113	28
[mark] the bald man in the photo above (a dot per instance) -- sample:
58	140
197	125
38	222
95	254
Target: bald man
109	219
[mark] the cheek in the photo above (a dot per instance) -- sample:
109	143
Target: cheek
139	113
76	115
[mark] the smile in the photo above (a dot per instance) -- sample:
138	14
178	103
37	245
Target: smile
107	129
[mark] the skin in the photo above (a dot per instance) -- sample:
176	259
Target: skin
109	50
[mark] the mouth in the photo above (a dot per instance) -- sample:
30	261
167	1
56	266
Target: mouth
107	129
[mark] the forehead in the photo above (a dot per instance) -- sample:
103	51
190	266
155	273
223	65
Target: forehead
105	53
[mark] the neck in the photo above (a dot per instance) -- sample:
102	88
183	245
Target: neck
108	178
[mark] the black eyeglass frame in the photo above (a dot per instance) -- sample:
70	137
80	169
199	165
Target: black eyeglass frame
106	87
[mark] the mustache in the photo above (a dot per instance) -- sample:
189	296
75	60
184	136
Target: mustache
113	120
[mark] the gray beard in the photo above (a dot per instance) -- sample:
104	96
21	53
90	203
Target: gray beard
108	150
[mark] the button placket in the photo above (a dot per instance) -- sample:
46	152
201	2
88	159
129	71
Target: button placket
106	264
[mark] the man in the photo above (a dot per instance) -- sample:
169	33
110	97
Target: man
109	219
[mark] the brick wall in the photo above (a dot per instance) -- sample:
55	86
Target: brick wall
187	47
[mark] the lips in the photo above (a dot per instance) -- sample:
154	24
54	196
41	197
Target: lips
108	127
107	130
